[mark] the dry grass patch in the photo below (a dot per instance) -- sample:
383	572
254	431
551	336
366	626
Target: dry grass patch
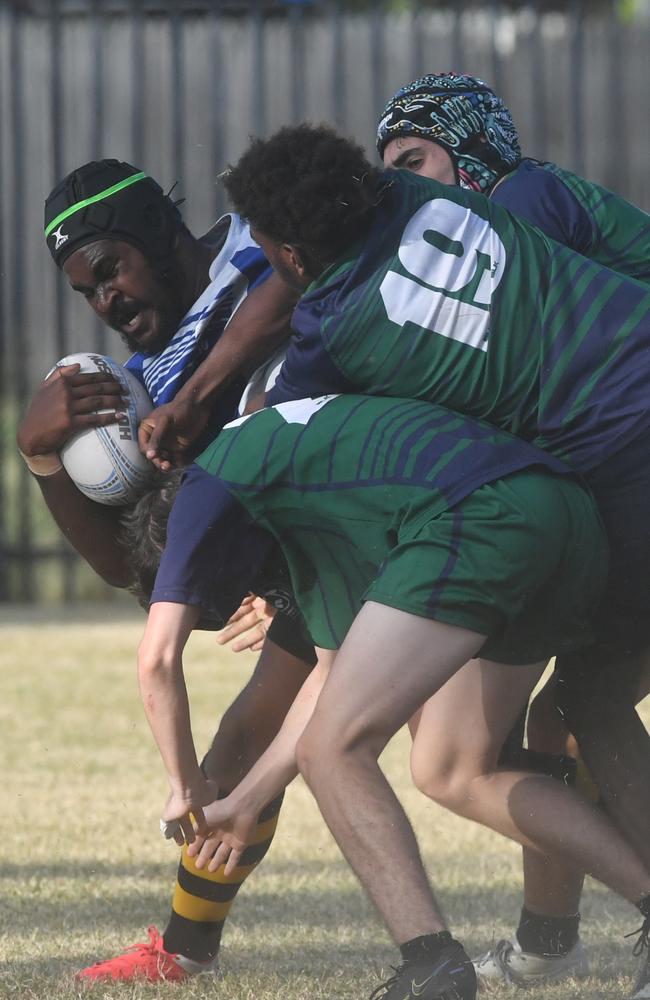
84	870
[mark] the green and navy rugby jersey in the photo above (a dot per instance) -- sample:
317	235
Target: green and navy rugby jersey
452	299
337	481
580	214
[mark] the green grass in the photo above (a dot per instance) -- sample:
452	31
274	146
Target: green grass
84	869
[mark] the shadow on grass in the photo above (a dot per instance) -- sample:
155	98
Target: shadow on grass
300	907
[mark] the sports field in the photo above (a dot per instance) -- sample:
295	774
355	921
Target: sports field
84	869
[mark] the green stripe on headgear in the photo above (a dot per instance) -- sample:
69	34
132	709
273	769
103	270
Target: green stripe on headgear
133	179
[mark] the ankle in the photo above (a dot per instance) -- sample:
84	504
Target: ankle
425	948
547	936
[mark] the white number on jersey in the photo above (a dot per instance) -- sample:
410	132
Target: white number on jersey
456	261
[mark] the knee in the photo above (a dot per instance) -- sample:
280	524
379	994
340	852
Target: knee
446	782
325	747
314	750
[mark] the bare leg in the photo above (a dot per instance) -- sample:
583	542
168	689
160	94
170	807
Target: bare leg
456	765
202	901
389	664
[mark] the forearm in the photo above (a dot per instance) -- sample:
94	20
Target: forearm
276	768
166	706
163	691
258	326
93	529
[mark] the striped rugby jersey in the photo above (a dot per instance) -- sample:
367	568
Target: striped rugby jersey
452	299
239	266
580	214
336	480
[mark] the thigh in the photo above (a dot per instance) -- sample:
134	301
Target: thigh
390	663
468	720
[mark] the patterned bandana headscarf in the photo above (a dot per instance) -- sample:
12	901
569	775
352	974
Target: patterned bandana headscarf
464	116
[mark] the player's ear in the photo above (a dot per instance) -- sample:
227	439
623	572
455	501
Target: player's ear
295	258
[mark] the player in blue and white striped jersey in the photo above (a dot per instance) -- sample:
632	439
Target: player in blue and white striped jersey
180	303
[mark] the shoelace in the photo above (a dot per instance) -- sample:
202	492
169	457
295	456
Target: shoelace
141	947
384	987
643	942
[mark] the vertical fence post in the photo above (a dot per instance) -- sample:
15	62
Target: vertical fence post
377	53
495	13
538	74
17	326
338	63
296	22
417	42
457	43
4	322
217	104
137	81
177	87
617	174
576	85
258	99
97	27
57	118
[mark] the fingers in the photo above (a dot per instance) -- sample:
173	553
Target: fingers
154	433
90	404
83	420
213	853
150	434
187	828
59	371
241	622
96	383
252	641
200	826
230	861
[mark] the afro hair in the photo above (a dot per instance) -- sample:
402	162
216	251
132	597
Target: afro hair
308	187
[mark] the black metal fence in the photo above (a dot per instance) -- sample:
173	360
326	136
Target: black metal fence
177	87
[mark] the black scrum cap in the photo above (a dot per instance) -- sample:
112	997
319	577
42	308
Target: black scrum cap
106	199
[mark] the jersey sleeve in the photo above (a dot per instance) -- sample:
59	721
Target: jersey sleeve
541	198
213	551
134	365
307	370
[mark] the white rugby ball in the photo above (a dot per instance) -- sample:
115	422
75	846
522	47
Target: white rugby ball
105	463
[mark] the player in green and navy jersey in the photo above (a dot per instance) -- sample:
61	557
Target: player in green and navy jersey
450	298
419	289
416	288
458	540
454	128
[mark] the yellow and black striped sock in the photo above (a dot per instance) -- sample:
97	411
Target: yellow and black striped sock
202	899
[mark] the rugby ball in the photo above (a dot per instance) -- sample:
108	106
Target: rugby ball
105	463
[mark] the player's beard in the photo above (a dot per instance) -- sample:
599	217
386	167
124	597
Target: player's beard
169	309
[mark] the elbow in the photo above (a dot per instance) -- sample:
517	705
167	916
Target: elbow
151	663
